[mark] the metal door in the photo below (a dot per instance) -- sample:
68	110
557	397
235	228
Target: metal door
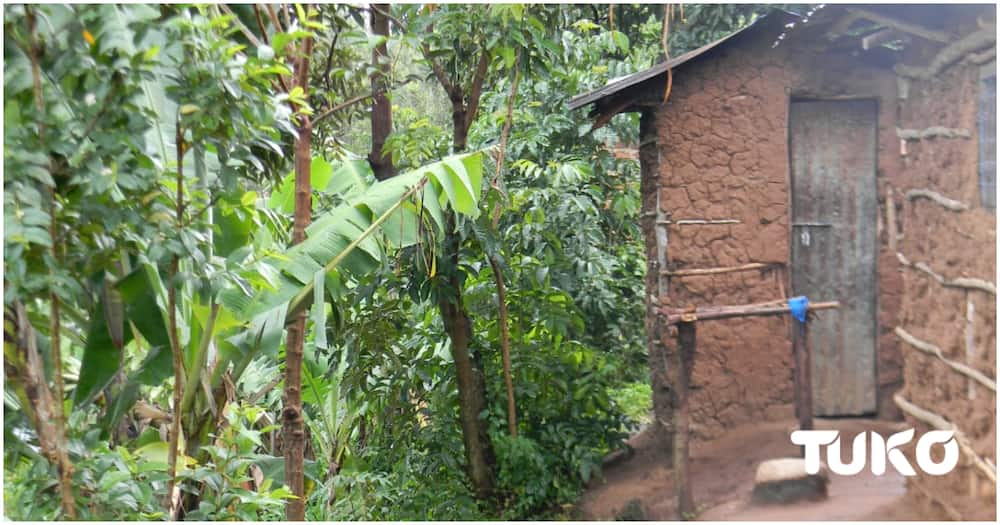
833	148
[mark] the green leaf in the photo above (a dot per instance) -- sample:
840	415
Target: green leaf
138	293
620	40
319	311
350	177
101	357
333	240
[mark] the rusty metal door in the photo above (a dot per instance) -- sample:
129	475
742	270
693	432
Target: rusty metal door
833	148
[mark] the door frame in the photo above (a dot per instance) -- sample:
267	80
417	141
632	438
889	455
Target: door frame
791	97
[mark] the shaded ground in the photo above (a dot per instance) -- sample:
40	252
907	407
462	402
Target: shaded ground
722	474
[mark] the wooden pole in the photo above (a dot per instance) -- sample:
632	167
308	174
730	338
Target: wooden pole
803	375
716	271
709	313
683	362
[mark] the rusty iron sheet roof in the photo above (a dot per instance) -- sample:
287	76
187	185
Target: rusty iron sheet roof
636	78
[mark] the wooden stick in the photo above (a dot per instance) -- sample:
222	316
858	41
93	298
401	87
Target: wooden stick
970	341
683	361
933	132
940	423
715	271
890	217
905	27
949	54
948	509
710	313
970	283
803	376
935	350
697	222
945	202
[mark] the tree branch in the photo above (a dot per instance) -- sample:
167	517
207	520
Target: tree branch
260	24
454	93
352	101
239	25
274	18
476	88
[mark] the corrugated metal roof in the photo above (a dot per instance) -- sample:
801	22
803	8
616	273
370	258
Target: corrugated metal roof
636	78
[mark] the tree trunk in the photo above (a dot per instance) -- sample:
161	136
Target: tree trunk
381	107
293	423
26	372
480	460
479	456
63	463
175	343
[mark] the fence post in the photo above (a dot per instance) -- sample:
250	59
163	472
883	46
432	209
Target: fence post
803	375
682	365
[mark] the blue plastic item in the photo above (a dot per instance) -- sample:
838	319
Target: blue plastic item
799	305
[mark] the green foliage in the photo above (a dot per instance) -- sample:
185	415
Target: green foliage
223	482
112	484
636	402
120	85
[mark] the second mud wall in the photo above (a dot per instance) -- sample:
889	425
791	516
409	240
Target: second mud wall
721	153
946	257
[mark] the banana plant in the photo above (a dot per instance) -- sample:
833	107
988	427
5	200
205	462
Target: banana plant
352	239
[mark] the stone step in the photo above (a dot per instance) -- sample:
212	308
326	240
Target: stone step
785	480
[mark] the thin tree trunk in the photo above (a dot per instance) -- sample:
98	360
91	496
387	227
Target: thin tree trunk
294	433
175	343
381	117
27	373
505	347
63	464
495	263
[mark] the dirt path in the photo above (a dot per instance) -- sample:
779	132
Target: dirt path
641	487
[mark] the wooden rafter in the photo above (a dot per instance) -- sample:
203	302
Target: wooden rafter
899	25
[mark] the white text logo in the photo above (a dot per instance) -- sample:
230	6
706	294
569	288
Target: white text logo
882	450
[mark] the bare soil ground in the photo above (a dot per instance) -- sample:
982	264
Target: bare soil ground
723	471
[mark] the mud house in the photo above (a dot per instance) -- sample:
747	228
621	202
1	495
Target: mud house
850	157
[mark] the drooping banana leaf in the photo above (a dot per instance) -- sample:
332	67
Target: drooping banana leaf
138	291
104	350
352	238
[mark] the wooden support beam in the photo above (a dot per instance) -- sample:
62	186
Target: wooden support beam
934	350
803	376
890	217
878	37
711	313
682	365
968	283
715	271
926	416
933	132
970	342
702	222
905	27
971	43
945	202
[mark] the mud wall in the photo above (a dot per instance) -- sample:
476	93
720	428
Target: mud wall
722	154
952	244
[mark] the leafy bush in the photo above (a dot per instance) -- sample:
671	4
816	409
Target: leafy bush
636	402
223	481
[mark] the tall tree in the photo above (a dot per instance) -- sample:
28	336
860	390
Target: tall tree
292	418
464	95
381	115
